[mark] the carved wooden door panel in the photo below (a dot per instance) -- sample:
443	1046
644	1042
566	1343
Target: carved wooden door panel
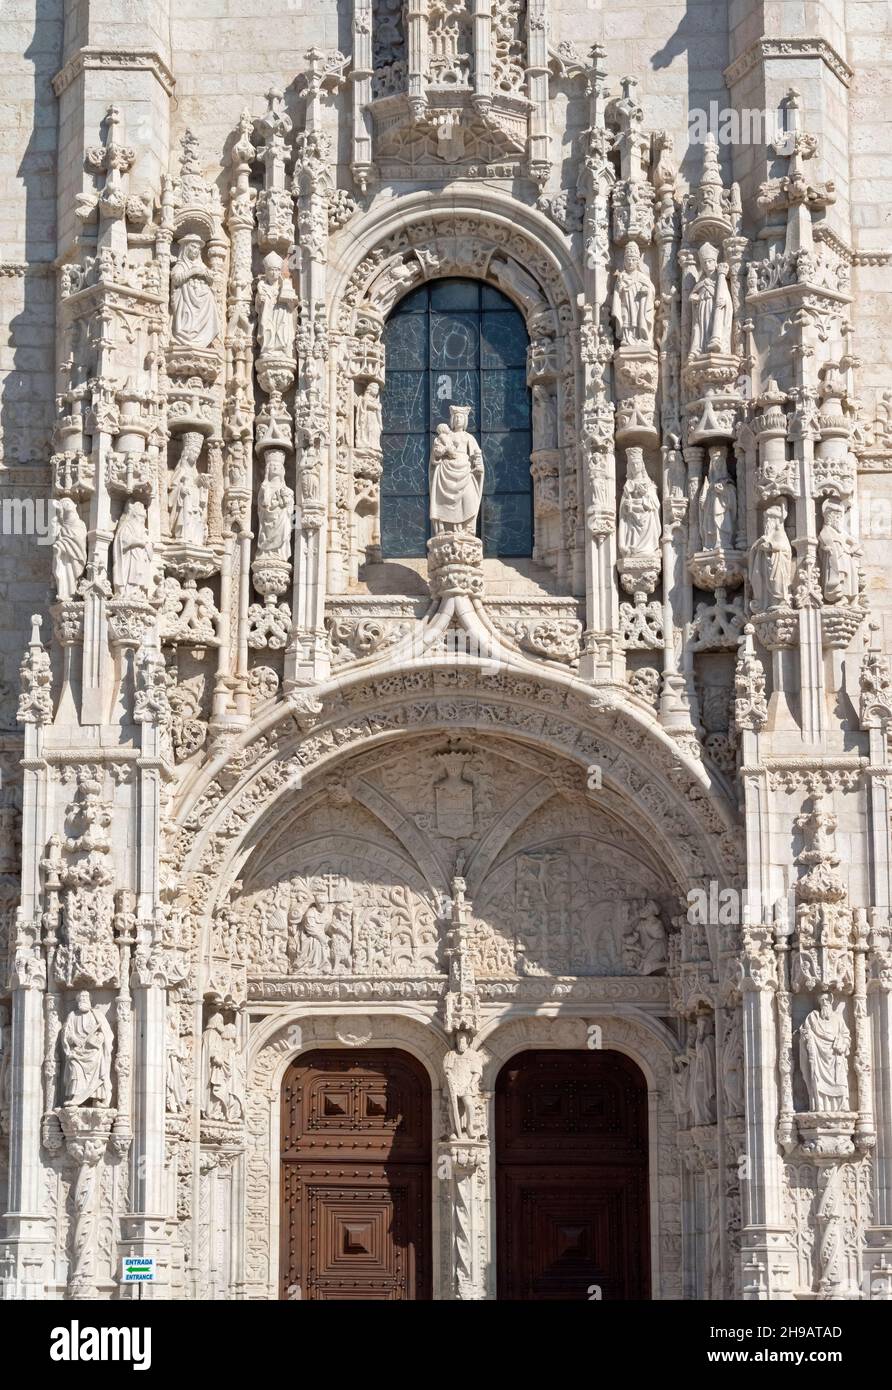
356	1181
571	1177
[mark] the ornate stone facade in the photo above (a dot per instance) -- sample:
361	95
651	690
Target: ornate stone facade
274	787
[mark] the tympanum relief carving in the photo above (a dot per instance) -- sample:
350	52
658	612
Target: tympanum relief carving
358	883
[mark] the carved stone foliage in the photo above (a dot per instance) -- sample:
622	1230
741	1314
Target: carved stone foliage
388	47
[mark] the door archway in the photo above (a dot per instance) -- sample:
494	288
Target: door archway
356	1177
572	1177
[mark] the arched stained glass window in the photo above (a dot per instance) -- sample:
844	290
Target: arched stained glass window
456	342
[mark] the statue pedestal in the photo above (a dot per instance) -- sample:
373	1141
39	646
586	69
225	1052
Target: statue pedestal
455	565
639	573
827	1133
718	568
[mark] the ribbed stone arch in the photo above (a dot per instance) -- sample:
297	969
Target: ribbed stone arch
243	794
466	228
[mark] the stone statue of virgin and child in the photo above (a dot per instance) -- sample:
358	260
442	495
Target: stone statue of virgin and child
456	475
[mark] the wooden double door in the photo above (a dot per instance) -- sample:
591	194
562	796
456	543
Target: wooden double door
571	1177
356	1177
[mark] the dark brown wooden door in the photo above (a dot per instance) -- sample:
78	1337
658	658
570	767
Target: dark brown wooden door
356	1177
571	1177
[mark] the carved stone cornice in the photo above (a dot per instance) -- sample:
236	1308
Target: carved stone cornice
765	49
814	775
17	270
850	255
93	58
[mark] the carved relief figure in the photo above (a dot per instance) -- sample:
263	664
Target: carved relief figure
633	300
718	504
639	511
456	475
275	509
341	933
87	1041
824	1044
701	1074
711	304
838	555
274	301
69	549
771	561
544	418
644	946
392	284
732	1064
368	418
176	1090
132	552
216	1071
308	951
679	1081
463	1069
5	1067
235	1108
187	495
195	321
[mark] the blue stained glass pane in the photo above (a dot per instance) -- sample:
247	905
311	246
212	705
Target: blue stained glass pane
454	341
508	524
403	526
506	399
507	460
405	343
454	388
503	341
493	299
407	458
404	410
455	294
415	302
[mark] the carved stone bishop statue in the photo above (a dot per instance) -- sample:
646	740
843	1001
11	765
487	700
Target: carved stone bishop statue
711	305
633	300
274	301
456	475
